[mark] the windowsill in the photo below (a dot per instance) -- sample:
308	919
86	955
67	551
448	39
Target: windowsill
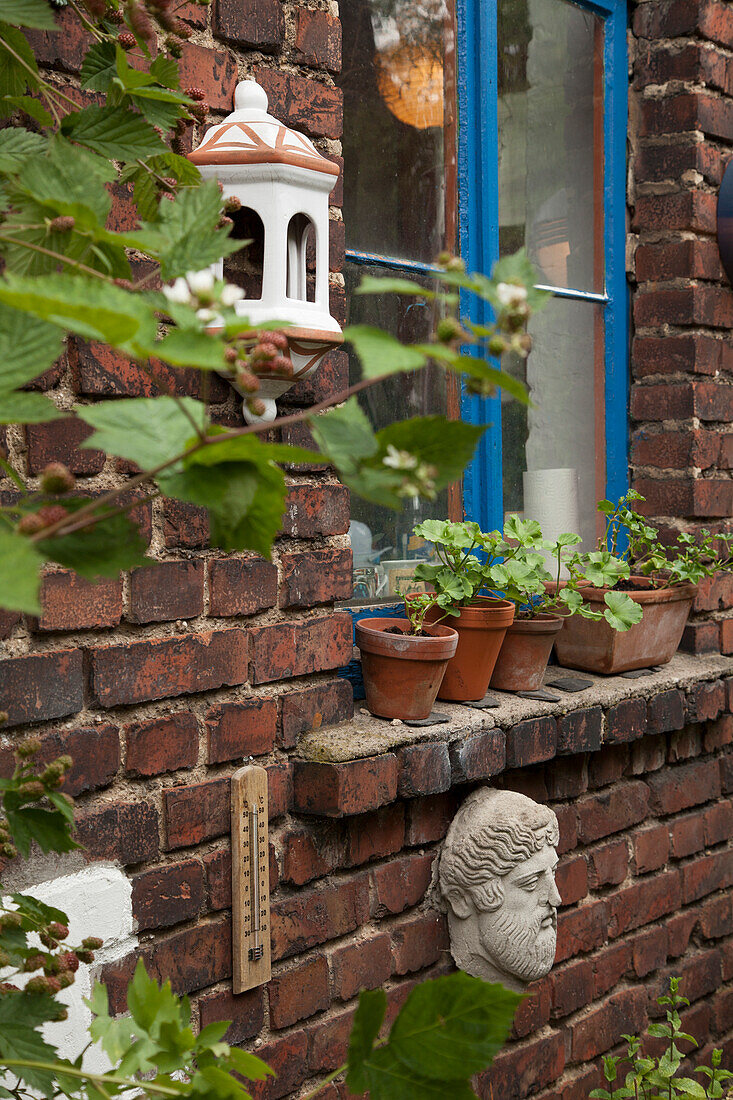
367	736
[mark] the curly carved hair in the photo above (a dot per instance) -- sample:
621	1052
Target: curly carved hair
493	832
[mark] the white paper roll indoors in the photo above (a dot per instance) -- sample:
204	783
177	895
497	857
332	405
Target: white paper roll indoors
551	497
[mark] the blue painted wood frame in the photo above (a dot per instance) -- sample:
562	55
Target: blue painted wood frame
479	228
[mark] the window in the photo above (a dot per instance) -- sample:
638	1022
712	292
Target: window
538	160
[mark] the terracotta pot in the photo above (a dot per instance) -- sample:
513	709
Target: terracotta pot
524	655
481	628
402	673
596	647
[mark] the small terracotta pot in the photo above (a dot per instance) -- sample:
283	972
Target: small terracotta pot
402	672
524	655
596	647
481	628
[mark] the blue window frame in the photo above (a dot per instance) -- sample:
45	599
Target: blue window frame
478	94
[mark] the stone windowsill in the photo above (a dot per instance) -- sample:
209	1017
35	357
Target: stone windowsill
368	762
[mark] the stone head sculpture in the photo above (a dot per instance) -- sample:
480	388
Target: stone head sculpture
497	878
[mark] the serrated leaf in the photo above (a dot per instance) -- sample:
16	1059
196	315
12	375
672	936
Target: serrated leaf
29	13
449	445
16	146
380	353
114	132
368	1020
345	435
19	576
20	1016
26	103
48	828
112	546
24	903
99	66
145	430
387	1078
27	408
250	1067
28	347
378	285
14	76
186	348
165	71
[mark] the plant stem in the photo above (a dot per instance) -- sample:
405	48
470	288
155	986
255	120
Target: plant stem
97	1078
326	1081
57	256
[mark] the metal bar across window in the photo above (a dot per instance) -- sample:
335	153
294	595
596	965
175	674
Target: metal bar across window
373	258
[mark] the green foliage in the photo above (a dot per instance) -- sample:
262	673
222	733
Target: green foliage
652	1077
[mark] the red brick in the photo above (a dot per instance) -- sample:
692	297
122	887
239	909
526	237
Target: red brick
312	511
168	590
236	730
612	811
718	823
706	701
213	70
311	708
156	668
375	835
245	1010
328	1044
678	259
567	820
707	875
666	712
522	1069
531	742
304	104
695	352
299	992
364	965
649	951
701	975
95	751
608	766
428	818
608	864
572	987
726	773
572	879
8	622
260	23
685	744
567	778
287	1058
696	110
581	929
335	790
534	1011
71	603
651	849
59	441
241	586
679	929
687	835
64	47
218	871
700	637
279	789
41	686
609	967
101	371
688	785
707	305
580	731
162	744
478	757
168	895
716	918
312	853
318	39
185	525
401	883
197	812
296	649
602	1028
424	769
315	576
418	942
645	902
312	917
124	831
625	722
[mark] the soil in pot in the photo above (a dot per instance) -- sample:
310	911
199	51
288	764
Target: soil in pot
402	671
596	647
481	628
525	652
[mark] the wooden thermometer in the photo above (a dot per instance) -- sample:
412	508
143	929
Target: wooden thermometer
250	879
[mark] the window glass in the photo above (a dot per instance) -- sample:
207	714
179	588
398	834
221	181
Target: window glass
551	139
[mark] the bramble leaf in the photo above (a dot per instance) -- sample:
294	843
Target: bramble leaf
27	408
16	146
368	1020
19	576
379	353
29	13
145	430
115	132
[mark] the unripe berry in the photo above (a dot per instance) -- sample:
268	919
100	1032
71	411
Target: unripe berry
232	204
230	355
85	956
92	943
173	48
57	478
196	93
69	961
9	851
256	406
8	987
247	382
33	962
64	223
52	513
448	329
10	920
28	748
279	339
116	17
283	365
31	525
497	345
32	789
58	931
40	984
65	979
126	40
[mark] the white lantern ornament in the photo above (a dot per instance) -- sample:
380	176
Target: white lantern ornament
280	175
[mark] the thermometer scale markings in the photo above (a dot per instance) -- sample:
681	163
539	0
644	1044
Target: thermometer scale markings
251	874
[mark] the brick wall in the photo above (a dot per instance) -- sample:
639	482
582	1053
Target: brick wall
681	129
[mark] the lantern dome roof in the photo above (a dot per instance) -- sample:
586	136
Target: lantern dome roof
249	135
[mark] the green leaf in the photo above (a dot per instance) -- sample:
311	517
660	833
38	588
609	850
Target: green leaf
48	828
621	611
448	445
112	546
145	430
368	1020
379	353
371	285
114	132
165	71
27	408
20	1016
251	1067
345	435
26	103
16	145
387	1078
29	13
38	910
28	347
14	76
99	67
190	349
476	367
452	1027
19	576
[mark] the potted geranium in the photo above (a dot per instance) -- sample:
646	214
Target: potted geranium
403	660
661	579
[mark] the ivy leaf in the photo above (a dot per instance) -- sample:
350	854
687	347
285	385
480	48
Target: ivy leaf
14	75
27	408
19	577
452	1027
20	1016
16	145
379	353
111	547
368	1020
114	132
28	347
621	611
145	430
29	13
